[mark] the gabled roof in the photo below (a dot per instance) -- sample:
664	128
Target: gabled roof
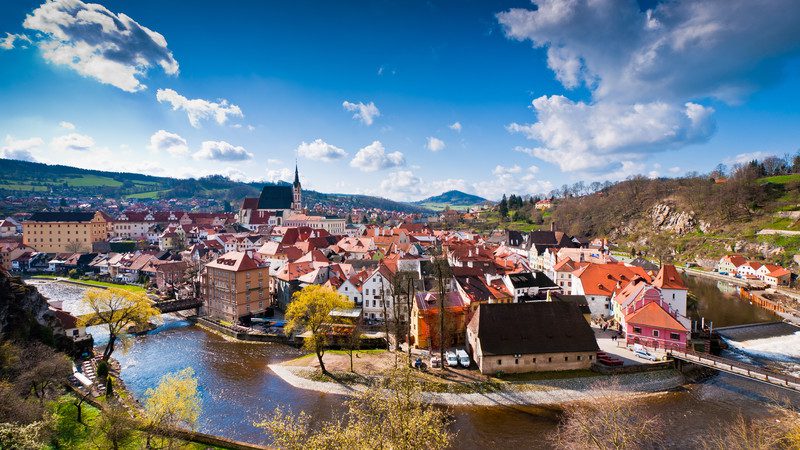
277	196
603	279
234	261
537	279
736	260
669	278
61	217
654	316
532	328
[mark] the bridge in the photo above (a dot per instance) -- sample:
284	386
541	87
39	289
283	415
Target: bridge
170	306
737	368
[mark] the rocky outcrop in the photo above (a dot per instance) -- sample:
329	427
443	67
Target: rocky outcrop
23	310
766	250
666	217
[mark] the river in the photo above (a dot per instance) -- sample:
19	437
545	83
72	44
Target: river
237	387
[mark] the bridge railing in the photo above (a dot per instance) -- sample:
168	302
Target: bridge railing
730	364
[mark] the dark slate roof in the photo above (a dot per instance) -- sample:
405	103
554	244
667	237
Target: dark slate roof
580	300
644	264
531	328
531	279
61	217
276	197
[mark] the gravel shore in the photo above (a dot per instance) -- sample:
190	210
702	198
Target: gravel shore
547	392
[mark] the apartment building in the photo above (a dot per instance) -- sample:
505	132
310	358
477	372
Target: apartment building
61	232
235	285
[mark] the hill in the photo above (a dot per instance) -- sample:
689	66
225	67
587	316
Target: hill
454	199
19	178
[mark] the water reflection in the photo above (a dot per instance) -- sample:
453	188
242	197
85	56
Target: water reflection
723	306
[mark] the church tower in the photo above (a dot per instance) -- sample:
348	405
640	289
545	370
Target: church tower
297	193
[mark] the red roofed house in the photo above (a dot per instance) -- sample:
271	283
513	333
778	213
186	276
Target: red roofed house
728	264
425	320
774	275
598	282
673	289
234	286
651	325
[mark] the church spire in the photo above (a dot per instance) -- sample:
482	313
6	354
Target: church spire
296	176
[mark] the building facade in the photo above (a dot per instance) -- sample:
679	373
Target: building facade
234	286
58	232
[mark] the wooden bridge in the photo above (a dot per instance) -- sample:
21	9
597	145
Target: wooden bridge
737	368
178	305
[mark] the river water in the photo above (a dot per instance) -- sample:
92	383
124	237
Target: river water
238	388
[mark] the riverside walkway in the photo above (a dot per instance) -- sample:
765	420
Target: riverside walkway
737	368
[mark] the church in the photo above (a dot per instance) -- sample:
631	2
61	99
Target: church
275	204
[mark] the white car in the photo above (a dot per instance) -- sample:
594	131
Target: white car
642	352
452	359
463	358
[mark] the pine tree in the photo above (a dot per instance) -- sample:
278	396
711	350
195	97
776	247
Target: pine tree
503	207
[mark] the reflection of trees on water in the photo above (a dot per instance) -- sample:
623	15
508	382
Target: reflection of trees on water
719	303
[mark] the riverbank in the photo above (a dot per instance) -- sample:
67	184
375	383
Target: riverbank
537	392
90	283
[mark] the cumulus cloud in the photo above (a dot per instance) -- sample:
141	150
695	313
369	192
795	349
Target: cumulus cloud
164	141
435	144
744	158
512	180
67	125
20	148
283	174
198	109
374	157
366	113
72	141
581	136
222	151
95	42
455	126
635	66
320	150
7	43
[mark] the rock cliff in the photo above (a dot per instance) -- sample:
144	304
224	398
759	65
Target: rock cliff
24	311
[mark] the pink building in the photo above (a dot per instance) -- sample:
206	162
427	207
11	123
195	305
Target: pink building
652	326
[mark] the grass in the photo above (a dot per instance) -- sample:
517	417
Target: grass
152	195
541	376
781	179
23	187
783	223
441	206
127	287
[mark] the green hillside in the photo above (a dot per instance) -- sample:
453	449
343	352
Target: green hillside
453	199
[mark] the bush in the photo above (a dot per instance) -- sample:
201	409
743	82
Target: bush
74	274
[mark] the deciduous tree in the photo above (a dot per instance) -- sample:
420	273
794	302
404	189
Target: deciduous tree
174	403
310	311
117	310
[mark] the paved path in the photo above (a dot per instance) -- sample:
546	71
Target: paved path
546	392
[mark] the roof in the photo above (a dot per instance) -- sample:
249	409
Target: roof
654	316
602	279
234	261
61	217
736	260
429	301
275	196
531	328
250	203
531	279
579	300
669	278
778	273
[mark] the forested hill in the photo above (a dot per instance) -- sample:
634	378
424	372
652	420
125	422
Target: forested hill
695	216
22	178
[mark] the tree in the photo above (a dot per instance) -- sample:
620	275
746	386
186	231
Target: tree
174	403
116	426
309	311
441	270
117	309
32	436
43	370
503	207
73	246
392	415
606	422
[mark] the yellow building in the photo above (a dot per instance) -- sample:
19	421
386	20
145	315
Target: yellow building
234	286
61	232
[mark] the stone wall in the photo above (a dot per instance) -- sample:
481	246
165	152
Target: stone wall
542	362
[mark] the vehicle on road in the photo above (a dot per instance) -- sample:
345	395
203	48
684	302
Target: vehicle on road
452	359
642	352
436	362
463	358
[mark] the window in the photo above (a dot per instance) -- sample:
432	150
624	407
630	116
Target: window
516	360
566	358
579	357
550	359
675	336
591	357
655	333
499	362
637	330
534	360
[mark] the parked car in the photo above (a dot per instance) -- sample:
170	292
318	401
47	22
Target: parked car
452	359
641	352
463	358
436	362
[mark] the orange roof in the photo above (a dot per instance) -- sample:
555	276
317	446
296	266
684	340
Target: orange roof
669	278
654	316
602	279
779	273
736	260
234	261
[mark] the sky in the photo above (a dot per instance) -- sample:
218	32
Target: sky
400	99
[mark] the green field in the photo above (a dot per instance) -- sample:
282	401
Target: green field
145	195
442	206
23	187
781	179
127	287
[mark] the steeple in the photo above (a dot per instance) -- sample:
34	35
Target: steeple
296	177
297	195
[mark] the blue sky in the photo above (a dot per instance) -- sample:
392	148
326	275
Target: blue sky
366	94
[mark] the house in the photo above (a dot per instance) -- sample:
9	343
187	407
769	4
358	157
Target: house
425	320
728	264
234	286
748	270
54	232
529	286
774	275
377	295
598	282
673	289
544	204
7	228
650	324
530	337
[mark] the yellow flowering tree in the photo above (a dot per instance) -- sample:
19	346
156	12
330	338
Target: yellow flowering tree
116	309
309	311
174	403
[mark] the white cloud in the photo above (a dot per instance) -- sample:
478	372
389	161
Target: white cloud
500	170
111	48
72	141
67	125
164	141
7	43
455	126
647	71
435	144
283	174
20	148
366	113
374	157
674	170
320	150
584	136
402	184
198	109
744	158
272	161
222	151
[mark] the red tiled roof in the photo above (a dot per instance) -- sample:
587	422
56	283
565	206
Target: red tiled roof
654	316
234	261
669	278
